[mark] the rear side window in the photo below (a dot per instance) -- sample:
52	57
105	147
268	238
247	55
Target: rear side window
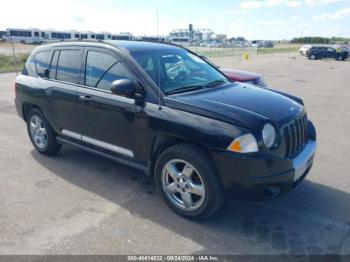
102	69
42	61
68	67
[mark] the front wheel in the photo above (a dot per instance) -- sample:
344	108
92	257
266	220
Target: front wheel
186	178
313	57
41	133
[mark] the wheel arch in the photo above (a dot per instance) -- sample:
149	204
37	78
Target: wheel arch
162	142
26	108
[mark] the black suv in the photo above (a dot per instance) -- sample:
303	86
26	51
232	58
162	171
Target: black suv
166	111
319	52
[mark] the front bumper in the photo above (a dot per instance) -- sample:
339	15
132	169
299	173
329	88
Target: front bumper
263	176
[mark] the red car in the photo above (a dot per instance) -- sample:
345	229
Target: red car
244	76
240	76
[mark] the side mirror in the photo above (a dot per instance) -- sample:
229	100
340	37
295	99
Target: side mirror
44	73
126	88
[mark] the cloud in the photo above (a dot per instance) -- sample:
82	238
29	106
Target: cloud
236	12
295	18
272	22
322	2
253	4
293	3
78	19
338	15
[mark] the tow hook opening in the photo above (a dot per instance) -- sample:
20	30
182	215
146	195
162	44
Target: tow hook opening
271	191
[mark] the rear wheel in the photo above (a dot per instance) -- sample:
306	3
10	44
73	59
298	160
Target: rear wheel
186	178
313	57
41	133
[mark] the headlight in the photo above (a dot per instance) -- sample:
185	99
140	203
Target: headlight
244	144
269	135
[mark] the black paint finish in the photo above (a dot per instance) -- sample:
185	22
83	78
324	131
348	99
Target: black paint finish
210	118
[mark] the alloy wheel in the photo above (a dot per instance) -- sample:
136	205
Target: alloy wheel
183	185
38	132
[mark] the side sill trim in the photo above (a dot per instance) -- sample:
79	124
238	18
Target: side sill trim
95	142
71	134
107	146
113	158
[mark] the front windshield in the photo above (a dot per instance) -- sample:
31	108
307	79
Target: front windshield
177	70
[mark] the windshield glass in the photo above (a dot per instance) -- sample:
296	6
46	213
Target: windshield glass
177	70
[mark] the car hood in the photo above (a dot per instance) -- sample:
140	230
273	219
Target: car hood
238	75
239	103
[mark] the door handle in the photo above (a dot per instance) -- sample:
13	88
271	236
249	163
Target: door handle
86	98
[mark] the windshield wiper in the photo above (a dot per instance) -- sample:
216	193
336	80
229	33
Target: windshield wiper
215	83
184	89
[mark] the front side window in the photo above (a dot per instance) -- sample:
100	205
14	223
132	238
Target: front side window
68	67
176	69
102	69
41	61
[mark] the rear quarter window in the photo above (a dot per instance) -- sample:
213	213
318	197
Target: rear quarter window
29	67
42	61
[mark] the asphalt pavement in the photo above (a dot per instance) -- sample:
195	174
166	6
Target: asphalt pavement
79	203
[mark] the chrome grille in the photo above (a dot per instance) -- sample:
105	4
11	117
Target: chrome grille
296	136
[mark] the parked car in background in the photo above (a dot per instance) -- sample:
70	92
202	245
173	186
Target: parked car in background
320	52
262	43
239	75
244	76
304	48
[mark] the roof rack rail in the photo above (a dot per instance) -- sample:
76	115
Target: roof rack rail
53	41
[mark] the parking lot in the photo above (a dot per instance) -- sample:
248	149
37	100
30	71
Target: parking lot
79	203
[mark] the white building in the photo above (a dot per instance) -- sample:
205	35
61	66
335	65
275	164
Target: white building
184	36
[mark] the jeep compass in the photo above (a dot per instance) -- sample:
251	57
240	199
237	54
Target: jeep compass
164	110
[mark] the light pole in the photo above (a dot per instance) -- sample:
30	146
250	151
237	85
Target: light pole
13	54
158	25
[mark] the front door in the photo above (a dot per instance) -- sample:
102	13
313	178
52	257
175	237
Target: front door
107	121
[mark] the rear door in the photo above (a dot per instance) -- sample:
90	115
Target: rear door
322	51
331	53
63	80
107	121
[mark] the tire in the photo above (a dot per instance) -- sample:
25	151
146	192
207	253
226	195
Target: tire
201	187
41	133
313	57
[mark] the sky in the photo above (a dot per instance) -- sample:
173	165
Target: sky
252	19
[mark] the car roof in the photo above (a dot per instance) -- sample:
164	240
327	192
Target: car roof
140	45
127	45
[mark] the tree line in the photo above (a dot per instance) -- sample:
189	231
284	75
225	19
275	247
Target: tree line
320	40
